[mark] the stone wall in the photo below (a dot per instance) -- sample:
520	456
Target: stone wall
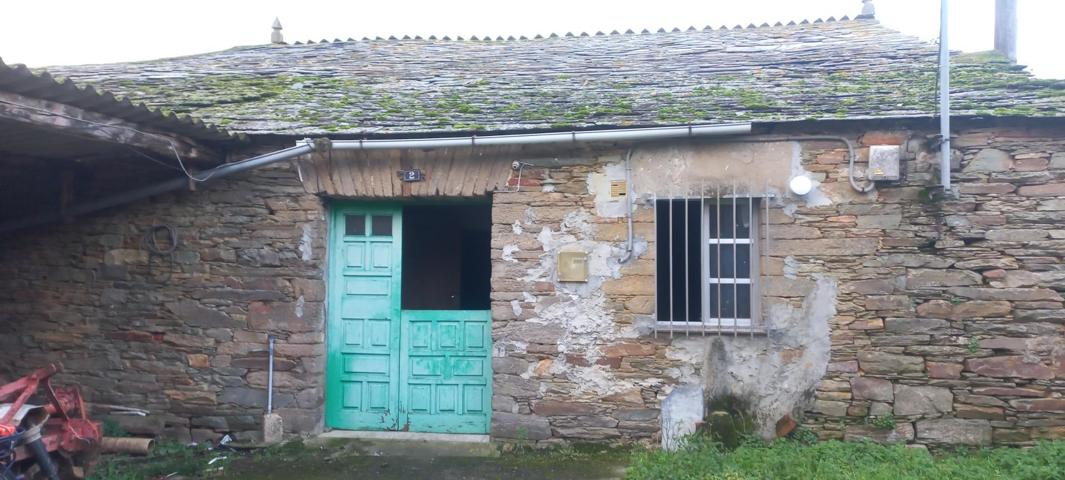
943	312
186	340
954	327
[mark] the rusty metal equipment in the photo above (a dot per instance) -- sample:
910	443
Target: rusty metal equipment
53	441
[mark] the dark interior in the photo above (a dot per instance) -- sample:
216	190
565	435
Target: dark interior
447	257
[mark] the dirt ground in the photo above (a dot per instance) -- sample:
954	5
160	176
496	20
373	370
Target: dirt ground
351	460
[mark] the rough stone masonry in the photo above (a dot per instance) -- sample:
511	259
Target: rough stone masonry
944	313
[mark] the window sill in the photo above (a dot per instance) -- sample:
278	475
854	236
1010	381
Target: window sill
709	328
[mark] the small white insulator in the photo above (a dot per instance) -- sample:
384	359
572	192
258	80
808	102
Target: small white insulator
275	36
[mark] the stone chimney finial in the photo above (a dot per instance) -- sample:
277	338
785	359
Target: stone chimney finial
868	10
276	36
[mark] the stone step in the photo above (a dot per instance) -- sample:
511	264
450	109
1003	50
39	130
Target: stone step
407	444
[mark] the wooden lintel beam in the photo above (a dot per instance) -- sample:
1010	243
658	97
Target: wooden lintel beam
90	125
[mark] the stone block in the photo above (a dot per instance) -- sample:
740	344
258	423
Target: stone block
509	365
889	363
915	325
902	433
954	431
920	400
919	278
285	317
551	408
636	414
975	411
1009	367
1016	235
520	427
1045	190
883	222
1009	294
888	302
1039	405
826	247
989	160
944	370
630	285
868	388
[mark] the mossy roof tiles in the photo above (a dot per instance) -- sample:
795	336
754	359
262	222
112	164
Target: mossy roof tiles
812	70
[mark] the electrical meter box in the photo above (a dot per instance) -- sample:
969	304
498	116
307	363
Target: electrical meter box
572	267
884	163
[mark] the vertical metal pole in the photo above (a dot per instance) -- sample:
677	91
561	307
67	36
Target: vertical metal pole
658	246
735	296
270	378
944	97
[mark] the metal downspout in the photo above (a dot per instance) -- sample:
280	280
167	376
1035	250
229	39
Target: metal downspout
944	99
628	207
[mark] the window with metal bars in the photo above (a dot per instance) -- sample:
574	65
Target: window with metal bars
707	263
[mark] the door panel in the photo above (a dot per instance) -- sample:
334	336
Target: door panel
362	370
447	370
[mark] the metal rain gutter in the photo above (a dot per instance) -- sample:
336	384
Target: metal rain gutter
306	146
944	99
619	135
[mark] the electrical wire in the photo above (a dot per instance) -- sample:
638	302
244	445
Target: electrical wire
150	241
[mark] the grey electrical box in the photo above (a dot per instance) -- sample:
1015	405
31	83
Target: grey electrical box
884	162
572	267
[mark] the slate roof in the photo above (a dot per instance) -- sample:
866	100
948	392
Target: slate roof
19	79
812	70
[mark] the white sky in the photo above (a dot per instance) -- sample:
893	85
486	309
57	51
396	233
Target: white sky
41	33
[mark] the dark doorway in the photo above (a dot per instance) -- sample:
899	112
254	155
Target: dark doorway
447	261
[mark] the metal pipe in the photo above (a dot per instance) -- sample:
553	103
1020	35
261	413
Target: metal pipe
628	207
944	98
618	135
130	445
270	379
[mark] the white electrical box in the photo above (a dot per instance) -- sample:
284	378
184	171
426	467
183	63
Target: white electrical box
884	162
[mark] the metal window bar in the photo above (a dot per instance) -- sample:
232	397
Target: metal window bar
703	227
735	258
750	233
717	234
687	262
723	277
671	199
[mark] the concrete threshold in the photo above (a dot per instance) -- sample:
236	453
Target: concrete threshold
405	444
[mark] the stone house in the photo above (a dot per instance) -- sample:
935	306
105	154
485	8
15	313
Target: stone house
577	237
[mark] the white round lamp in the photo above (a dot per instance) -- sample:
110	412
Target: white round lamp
800	185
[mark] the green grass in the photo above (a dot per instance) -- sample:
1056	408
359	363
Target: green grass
786	459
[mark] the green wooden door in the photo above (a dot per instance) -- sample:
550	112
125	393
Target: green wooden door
447	370
393	369
362	367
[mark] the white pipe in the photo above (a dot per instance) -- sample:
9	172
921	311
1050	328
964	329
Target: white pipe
944	98
618	135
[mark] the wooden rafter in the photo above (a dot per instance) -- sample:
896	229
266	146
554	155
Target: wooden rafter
90	125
